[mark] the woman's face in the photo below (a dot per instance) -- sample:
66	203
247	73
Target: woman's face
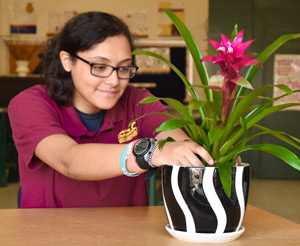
93	94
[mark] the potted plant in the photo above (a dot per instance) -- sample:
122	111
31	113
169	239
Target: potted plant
207	204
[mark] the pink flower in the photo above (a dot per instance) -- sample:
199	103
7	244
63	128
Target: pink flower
231	59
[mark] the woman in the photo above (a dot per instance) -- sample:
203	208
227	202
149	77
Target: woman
72	135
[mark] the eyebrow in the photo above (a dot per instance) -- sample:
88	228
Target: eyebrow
106	59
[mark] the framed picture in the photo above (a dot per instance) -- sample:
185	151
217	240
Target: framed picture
287	72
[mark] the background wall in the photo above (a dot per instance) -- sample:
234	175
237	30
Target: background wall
264	21
196	16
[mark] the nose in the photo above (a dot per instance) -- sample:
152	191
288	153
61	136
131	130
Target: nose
113	79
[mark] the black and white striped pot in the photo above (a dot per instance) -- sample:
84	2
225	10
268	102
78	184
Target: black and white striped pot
195	201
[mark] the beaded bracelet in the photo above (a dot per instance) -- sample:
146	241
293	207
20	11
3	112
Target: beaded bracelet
123	163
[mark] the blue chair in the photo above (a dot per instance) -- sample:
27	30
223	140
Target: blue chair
3	120
19	198
152	191
155	194
8	152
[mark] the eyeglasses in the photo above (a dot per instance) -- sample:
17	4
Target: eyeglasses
104	70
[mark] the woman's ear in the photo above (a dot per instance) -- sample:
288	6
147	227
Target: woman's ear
66	60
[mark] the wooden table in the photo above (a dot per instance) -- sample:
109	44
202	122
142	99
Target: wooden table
126	226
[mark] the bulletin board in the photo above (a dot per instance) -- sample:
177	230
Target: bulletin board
165	25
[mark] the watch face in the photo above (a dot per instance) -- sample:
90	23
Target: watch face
141	147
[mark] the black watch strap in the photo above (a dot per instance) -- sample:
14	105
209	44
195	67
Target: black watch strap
142	163
142	154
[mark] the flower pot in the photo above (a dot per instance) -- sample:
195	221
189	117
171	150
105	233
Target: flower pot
22	68
197	206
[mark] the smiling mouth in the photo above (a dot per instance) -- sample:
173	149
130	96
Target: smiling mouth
108	92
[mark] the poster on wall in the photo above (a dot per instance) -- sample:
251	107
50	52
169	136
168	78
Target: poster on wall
56	19
22	15
137	22
165	25
287	72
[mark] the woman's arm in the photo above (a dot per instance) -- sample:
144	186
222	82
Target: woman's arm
91	161
94	161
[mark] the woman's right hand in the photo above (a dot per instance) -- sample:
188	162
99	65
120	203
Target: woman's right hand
181	153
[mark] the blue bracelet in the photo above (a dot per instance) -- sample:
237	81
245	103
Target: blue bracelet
123	164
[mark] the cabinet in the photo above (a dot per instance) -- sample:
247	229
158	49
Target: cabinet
163	81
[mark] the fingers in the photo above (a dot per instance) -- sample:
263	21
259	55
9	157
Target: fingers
238	161
182	153
202	152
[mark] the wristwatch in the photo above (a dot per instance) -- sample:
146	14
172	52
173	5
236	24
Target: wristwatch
142	150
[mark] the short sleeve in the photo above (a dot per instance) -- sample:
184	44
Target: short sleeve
32	117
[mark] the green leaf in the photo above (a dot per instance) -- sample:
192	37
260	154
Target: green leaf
269	99
256	114
192	131
149	99
277	134
193	48
161	113
209	111
218	98
238	112
171	125
244	127
215	133
258	108
211	87
195	104
188	122
164	141
245	83
243	123
174	68
174	104
224	164
263	56
285	89
203	139
225	176
282	153
254	119
267	111
234	32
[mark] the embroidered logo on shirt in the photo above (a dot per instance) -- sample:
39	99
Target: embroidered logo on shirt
128	134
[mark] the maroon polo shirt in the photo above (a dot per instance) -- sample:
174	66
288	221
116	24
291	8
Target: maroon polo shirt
34	116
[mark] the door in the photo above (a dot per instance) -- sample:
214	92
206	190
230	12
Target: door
264	21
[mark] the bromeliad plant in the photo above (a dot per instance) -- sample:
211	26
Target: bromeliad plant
228	112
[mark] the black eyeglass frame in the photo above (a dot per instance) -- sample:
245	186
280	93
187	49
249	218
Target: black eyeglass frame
113	68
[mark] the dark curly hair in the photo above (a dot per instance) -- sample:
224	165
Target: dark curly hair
80	33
